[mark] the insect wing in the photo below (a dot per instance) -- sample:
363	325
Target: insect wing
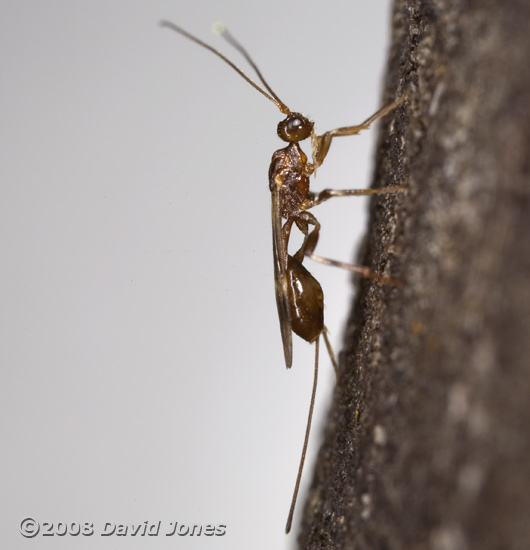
281	279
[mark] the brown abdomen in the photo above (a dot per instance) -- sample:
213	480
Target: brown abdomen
306	302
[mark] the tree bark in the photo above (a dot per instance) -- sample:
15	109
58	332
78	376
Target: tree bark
427	444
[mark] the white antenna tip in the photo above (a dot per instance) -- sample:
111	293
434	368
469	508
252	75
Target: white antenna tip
218	27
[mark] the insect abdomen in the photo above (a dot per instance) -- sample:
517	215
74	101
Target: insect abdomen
306	302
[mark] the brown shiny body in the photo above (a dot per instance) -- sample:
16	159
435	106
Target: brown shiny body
298	294
301	300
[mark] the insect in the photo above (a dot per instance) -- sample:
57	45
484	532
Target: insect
299	296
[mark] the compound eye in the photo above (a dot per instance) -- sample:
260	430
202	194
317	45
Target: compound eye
295	127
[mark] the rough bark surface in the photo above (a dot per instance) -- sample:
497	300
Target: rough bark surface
428	439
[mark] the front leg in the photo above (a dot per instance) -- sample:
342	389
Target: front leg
321	144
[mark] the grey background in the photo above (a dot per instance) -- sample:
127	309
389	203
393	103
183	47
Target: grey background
142	369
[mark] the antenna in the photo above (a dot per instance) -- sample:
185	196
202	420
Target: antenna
220	29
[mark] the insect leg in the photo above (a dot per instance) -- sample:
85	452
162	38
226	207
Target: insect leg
330	351
313	199
321	144
303	220
360	269
286	229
